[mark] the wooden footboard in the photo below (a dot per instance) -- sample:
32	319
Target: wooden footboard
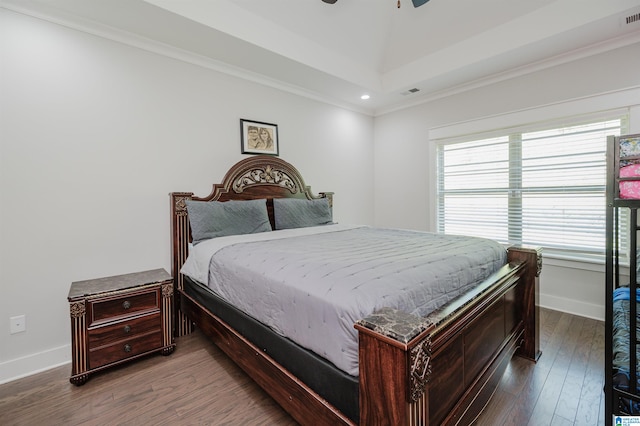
443	369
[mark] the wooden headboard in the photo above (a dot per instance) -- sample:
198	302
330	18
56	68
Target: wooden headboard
257	177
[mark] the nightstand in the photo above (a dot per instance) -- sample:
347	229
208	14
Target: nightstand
117	319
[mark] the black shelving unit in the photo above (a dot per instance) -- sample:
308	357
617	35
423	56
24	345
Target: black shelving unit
621	356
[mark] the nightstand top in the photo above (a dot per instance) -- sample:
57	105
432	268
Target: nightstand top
80	289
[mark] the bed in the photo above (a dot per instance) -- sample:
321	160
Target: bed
405	366
622	384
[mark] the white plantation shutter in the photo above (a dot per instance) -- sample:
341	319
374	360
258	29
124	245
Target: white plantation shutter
544	188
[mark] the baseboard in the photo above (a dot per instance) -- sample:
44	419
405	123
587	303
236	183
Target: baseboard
35	363
572	306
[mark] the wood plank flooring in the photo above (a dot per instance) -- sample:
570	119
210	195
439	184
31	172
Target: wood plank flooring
565	386
199	385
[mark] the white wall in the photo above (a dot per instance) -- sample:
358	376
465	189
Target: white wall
94	134
404	153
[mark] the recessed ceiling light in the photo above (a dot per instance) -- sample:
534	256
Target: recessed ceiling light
365	97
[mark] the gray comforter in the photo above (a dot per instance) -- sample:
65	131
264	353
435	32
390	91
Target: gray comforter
313	288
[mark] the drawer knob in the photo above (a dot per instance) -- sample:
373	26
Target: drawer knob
127	348
127	328
126	304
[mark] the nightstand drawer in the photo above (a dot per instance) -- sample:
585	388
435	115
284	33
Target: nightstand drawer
124	349
127	329
108	309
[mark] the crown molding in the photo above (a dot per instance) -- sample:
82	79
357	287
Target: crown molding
585	52
134	40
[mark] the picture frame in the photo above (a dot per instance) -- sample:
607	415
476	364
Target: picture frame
258	137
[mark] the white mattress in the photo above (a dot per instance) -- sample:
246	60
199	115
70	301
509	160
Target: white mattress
313	284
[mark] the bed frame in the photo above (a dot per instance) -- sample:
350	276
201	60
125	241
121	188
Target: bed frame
441	369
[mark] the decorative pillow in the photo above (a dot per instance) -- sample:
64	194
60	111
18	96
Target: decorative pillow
296	213
211	219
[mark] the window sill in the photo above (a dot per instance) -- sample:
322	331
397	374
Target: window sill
562	261
565	261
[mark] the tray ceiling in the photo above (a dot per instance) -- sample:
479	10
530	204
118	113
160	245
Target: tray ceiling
336	52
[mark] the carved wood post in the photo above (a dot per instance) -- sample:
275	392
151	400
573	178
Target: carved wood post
180	238
395	367
167	319
529	297
79	361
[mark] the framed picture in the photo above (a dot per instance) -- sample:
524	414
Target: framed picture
258	137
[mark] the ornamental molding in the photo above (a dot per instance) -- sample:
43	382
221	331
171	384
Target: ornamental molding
264	176
123	292
181	205
420	373
167	290
539	264
77	309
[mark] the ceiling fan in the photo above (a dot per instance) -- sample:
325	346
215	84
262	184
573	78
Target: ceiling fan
416	3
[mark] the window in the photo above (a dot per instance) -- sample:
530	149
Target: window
544	187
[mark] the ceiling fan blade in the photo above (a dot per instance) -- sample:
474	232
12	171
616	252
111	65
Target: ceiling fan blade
416	3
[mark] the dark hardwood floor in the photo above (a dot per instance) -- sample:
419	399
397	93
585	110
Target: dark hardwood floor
199	385
565	386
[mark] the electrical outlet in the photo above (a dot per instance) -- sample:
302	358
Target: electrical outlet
18	324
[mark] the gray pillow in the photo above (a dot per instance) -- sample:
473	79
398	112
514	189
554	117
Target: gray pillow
211	219
297	213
